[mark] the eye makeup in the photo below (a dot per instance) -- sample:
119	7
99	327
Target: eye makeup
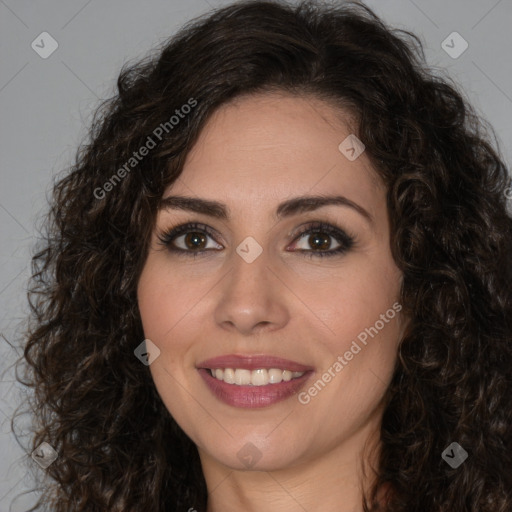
317	231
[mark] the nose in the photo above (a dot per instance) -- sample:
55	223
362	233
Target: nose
251	298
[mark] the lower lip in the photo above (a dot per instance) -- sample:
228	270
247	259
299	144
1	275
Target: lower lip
252	396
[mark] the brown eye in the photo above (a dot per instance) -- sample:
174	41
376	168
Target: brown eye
189	238
317	240
194	240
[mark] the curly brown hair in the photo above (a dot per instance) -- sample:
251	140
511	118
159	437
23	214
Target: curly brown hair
451	236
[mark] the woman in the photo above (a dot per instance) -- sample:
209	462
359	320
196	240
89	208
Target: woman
278	277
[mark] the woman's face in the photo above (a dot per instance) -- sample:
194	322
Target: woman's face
304	345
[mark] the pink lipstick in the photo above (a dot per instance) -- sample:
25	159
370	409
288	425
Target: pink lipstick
253	381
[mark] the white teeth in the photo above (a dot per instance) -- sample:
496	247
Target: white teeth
275	376
229	376
242	377
259	377
287	375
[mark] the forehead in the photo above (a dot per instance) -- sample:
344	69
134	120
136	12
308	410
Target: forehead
275	146
273	123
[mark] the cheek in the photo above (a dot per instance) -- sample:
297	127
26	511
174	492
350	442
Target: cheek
164	298
357	356
348	304
165	308
154	305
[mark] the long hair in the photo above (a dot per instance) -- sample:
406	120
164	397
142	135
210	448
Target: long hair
451	237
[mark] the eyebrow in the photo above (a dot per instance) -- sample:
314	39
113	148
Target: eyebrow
287	208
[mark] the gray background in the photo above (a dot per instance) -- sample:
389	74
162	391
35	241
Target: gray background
46	106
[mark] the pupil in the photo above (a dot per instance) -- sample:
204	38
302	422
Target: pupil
317	239
192	239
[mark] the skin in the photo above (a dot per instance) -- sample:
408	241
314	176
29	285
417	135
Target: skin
254	153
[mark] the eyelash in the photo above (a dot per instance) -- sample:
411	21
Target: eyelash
346	241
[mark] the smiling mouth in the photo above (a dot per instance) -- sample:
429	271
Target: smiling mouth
256	377
253	381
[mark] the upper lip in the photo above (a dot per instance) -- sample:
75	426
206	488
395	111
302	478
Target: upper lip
253	362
